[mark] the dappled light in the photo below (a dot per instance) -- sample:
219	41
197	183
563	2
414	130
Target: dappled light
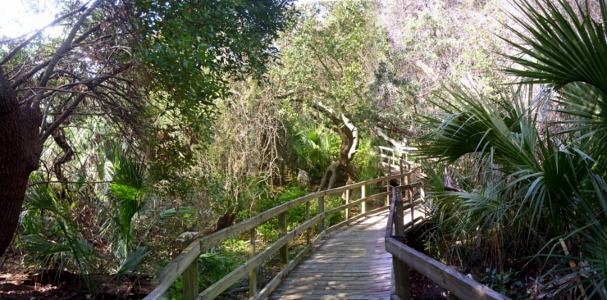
290	149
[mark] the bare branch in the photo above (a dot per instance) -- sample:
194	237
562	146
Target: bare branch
64	48
29	40
41	66
72	107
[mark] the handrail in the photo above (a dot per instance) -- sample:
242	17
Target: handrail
400	154
186	262
404	257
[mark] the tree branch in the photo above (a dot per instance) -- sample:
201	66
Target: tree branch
41	66
64	49
67	112
29	40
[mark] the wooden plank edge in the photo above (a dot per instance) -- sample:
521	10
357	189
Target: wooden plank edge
273	284
455	282
394	297
177	266
220	286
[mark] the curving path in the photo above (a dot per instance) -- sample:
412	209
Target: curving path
351	263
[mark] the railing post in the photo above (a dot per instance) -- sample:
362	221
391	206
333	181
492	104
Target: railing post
397	217
347	201
400	163
321	209
253	273
307	219
190	281
409	196
363	194
284	250
399	268
388	186
389	166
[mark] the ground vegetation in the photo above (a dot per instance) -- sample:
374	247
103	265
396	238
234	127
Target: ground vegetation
147	121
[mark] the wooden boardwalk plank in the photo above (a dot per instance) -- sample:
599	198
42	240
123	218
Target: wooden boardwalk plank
350	264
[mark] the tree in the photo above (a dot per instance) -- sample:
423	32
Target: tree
433	42
332	61
535	160
112	58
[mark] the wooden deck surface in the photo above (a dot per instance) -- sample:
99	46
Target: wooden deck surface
350	264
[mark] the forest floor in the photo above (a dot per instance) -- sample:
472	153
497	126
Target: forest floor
66	286
55	284
18	284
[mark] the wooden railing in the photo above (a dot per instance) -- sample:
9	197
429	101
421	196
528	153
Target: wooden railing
186	264
403	256
395	158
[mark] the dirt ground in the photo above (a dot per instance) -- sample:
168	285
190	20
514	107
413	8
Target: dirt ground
56	284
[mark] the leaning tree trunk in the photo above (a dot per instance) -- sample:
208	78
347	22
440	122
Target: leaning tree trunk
20	151
349	135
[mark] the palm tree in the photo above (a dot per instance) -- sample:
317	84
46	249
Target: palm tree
535	158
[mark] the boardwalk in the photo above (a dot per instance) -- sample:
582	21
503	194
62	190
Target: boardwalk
351	264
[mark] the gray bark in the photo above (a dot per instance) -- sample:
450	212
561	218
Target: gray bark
20	151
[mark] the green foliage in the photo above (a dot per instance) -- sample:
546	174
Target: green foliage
127	190
50	220
531	165
132	260
366	160
295	216
562	45
65	246
329	57
213	265
216	264
505	283
201	42
314	147
333	202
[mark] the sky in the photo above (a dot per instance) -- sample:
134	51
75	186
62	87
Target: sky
16	19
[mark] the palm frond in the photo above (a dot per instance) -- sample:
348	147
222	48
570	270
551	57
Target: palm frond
559	46
132	260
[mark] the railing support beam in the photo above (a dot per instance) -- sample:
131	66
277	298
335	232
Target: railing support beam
347	202
308	219
388	189
401	279
253	273
399	268
363	194
284	250
190	281
321	209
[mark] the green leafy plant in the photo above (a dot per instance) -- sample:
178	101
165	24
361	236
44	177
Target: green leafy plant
528	167
505	283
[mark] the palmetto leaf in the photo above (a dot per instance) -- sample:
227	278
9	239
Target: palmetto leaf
560	46
132	260
537	159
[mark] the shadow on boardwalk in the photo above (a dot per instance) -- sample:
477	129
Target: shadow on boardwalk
350	264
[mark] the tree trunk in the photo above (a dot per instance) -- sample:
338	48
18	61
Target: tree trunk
20	150
350	139
333	170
